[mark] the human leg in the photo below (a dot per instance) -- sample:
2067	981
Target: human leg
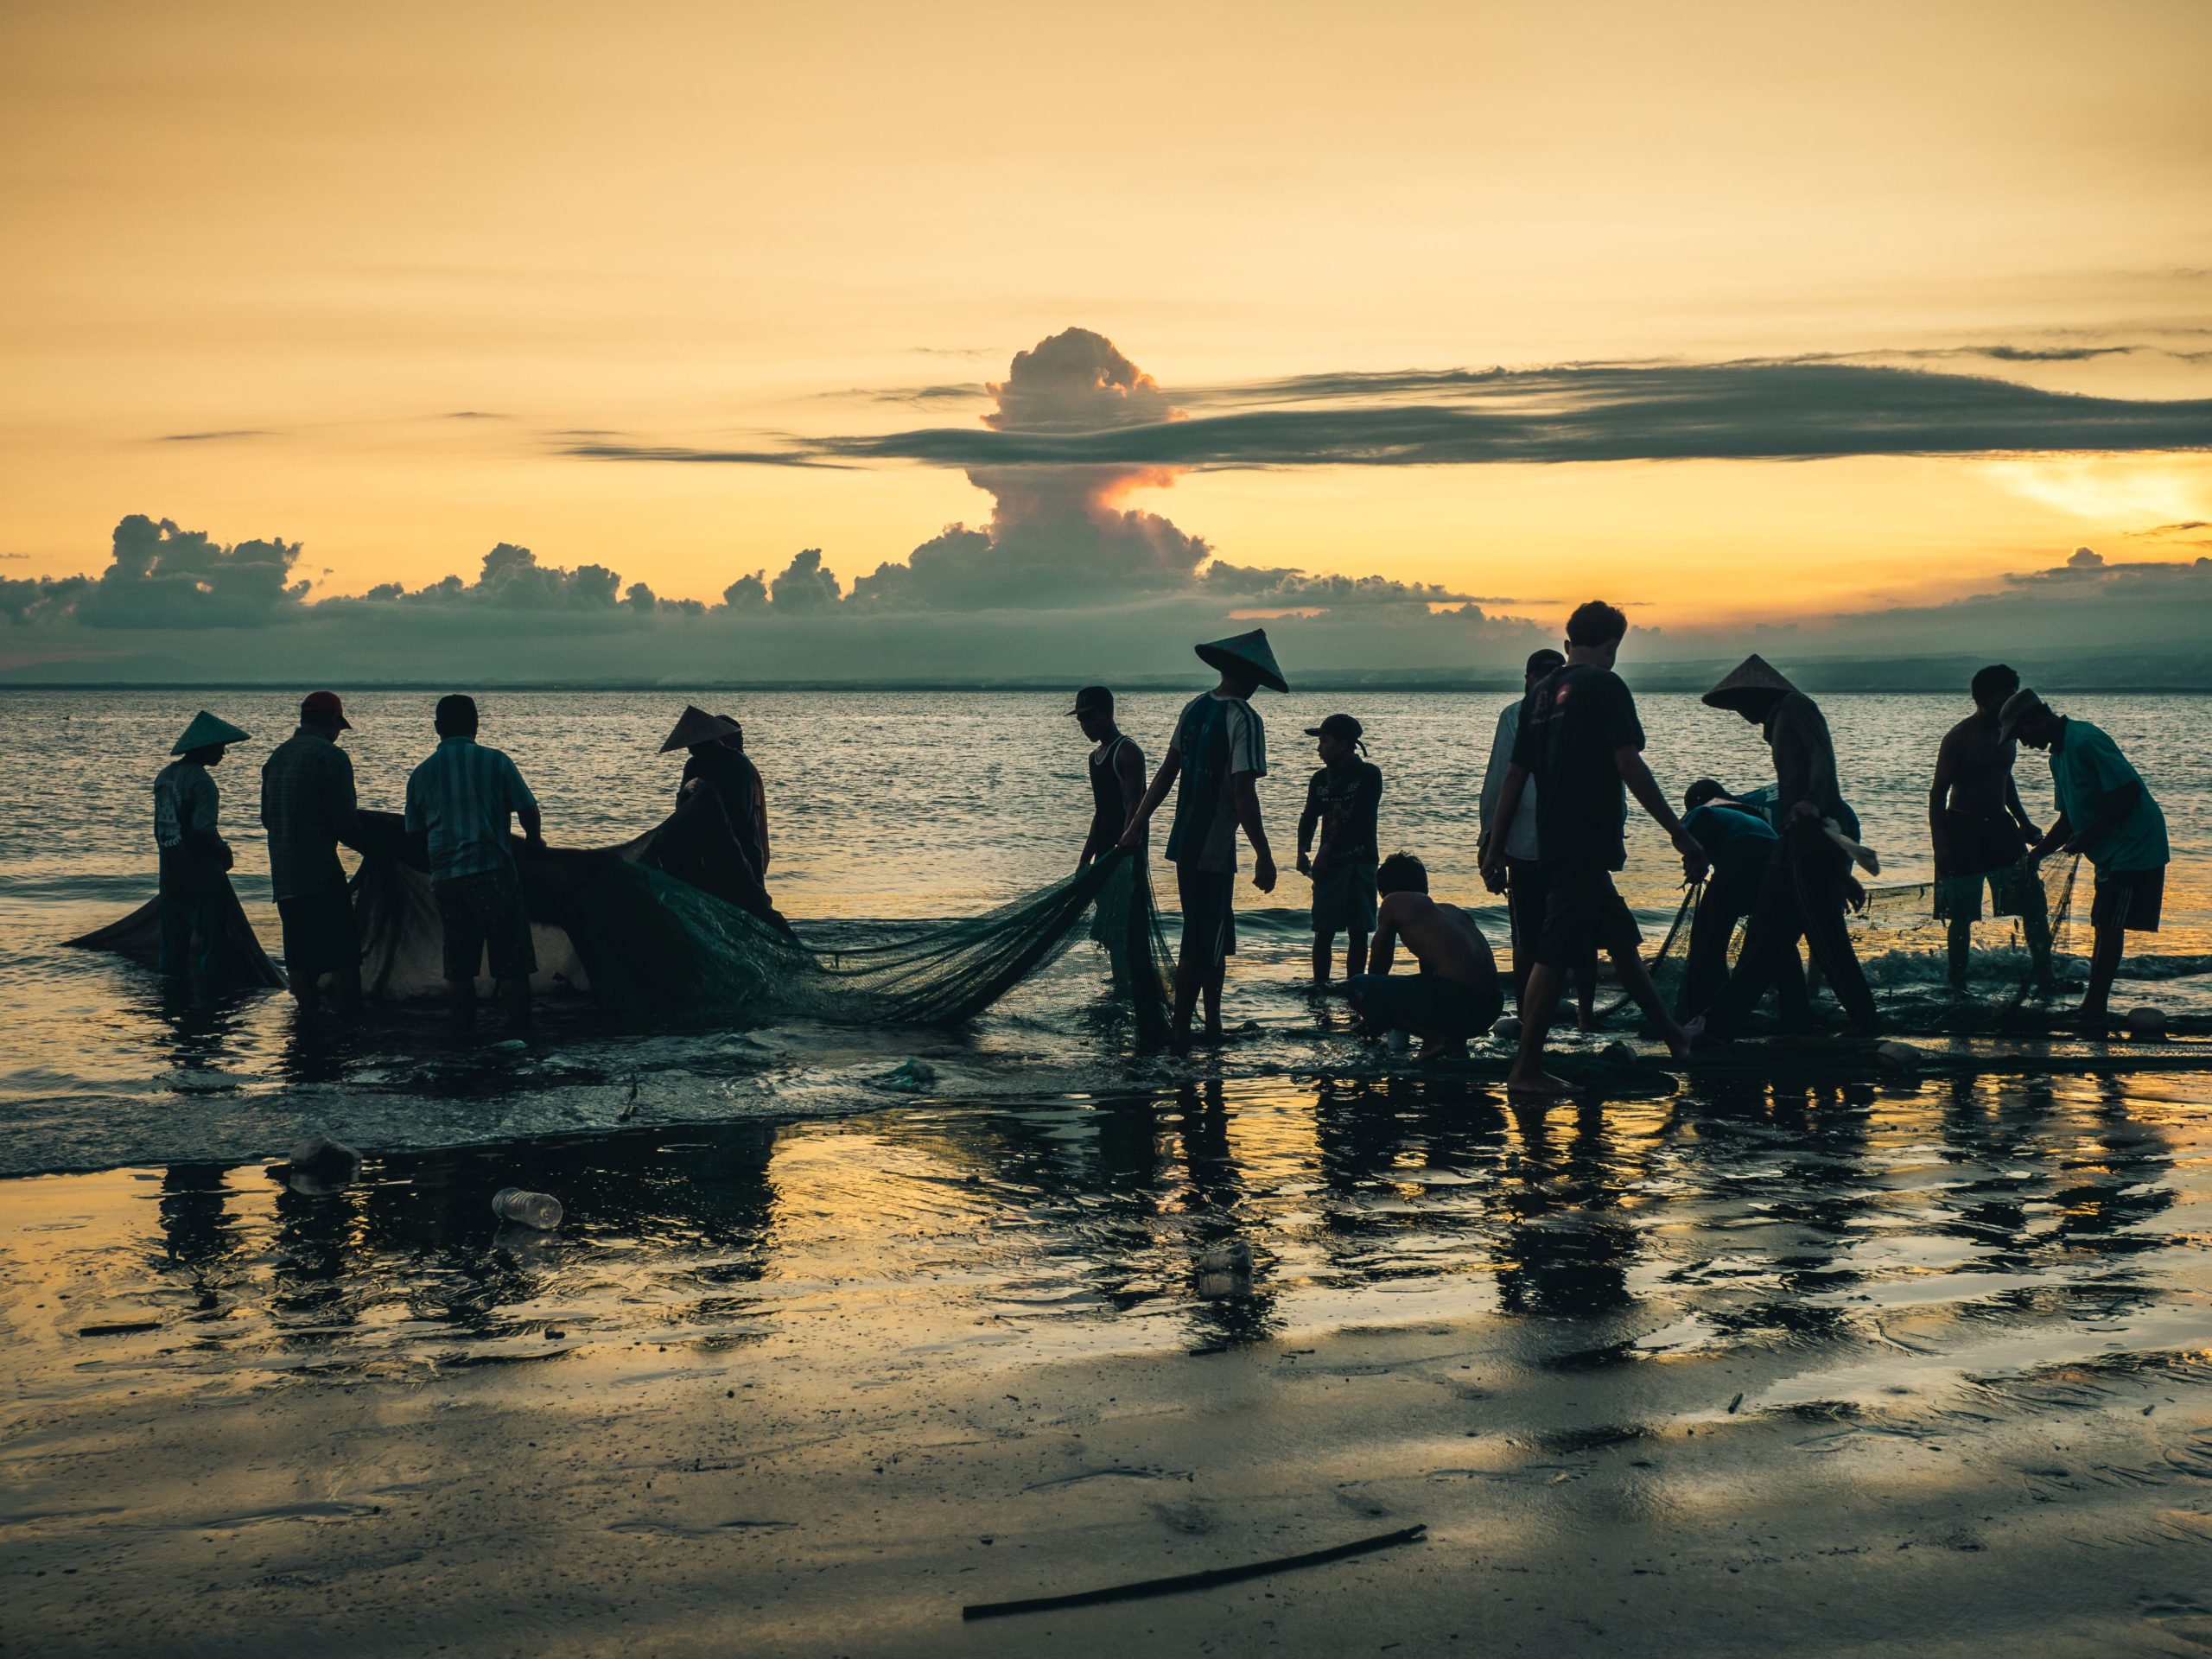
1324	949
2126	902
1818	867
1356	952
461	926
1525	901
1770	934
1582	908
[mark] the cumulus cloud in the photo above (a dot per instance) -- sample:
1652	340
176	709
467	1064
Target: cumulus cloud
806	585
160	576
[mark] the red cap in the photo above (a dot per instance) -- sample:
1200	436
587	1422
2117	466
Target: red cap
318	704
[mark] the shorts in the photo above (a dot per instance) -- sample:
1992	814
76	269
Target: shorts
1208	902
1426	1004
1985	851
1583	914
483	915
2129	898
319	935
1344	900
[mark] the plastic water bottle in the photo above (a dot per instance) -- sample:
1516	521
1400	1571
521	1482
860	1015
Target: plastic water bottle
527	1209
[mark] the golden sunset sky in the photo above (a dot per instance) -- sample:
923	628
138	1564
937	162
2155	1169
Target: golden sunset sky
360	276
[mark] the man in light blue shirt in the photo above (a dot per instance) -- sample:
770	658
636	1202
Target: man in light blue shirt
459	801
2107	816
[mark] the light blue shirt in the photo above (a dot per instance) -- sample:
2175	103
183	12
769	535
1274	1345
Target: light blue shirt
462	797
2086	768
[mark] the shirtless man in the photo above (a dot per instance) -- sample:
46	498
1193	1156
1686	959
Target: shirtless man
1455	995
1982	832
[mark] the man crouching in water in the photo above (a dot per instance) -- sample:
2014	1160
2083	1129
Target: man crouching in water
1455	995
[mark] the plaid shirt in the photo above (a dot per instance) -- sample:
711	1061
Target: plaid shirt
461	799
307	806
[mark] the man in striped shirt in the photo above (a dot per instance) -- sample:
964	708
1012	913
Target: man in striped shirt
459	799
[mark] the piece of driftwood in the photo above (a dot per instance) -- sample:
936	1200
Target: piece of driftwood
1206	1579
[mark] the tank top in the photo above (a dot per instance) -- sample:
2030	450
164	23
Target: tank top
1109	812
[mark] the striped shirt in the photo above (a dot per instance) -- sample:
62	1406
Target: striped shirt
1217	737
460	798
307	806
186	803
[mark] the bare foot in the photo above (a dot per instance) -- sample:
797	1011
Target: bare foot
1453	1051
1678	1040
1542	1086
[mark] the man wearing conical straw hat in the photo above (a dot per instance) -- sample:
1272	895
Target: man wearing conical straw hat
715	762
1581	742
1801	894
1220	753
194	857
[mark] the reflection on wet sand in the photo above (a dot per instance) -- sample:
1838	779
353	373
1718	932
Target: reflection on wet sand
1214	1216
1821	1332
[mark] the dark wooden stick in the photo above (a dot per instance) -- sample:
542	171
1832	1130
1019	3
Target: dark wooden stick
1181	1581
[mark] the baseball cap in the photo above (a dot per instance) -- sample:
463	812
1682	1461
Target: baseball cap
1094	699
318	704
1342	726
2022	705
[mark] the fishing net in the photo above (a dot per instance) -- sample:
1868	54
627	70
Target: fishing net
675	923
1902	936
245	964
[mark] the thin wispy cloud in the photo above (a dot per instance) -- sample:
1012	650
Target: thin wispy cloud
1765	409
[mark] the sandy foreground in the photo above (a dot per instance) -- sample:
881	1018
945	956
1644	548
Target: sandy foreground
637	1499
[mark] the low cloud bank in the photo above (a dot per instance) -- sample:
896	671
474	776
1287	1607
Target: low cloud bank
1066	578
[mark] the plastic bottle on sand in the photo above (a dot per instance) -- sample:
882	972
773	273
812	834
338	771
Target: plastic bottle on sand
527	1209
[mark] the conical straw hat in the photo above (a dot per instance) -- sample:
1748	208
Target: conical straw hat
205	732
697	726
1245	652
1754	674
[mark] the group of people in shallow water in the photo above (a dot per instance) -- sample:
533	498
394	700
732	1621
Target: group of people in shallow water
462	801
1564	761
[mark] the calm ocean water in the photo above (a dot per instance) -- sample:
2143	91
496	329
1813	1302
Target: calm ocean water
883	806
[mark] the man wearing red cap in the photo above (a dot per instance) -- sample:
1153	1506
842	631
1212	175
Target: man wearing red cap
308	807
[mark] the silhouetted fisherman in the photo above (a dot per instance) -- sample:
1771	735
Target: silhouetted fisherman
461	799
1580	740
719	829
1342	800
1740	843
1801	894
194	858
308	807
1122	916
1116	769
1220	753
1520	877
720	762
1455	997
1982	833
2106	815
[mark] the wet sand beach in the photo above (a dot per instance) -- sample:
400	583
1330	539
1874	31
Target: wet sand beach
1913	1370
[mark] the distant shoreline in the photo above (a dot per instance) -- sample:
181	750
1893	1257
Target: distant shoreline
1662	680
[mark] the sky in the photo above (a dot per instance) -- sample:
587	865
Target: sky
1002	338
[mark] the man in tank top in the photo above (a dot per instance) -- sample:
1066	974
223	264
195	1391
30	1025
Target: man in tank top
1116	772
